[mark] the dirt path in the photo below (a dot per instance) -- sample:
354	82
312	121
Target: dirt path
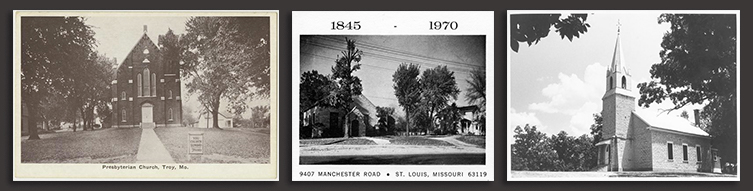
453	140
378	141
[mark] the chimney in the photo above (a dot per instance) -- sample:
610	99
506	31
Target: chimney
697	117
144	29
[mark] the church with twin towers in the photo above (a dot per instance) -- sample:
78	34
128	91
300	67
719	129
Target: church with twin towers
637	141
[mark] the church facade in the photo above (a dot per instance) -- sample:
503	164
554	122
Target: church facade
146	91
638	141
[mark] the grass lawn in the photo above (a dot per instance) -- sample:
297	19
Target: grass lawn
237	145
478	140
336	141
114	145
417	141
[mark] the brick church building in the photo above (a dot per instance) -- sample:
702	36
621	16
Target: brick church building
641	141
146	91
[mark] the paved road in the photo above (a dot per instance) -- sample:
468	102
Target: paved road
428	159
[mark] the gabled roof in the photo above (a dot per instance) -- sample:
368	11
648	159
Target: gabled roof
669	123
145	38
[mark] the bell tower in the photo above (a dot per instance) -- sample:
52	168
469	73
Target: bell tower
618	104
618	101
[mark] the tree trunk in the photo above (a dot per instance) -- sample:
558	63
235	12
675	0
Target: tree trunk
215	113
345	124
33	108
407	121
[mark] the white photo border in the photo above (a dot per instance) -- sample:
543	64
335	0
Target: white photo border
196	172
381	23
510	128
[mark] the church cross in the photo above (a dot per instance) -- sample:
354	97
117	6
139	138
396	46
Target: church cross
618	26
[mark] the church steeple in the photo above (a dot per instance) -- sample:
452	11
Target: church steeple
619	99
618	75
617	61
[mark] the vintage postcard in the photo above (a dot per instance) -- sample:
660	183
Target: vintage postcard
145	95
393	96
623	96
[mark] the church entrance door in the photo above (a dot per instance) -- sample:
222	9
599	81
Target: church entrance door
146	113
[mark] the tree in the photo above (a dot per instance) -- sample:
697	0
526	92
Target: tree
438	86
532	150
407	90
564	146
226	58
315	90
597	127
476	94
260	116
587	153
189	117
348	85
386	122
530	28
449	119
91	91
698	66
50	45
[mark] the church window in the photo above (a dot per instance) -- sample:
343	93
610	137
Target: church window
611	83
684	153
698	153
624	83
170	94
669	152
123	96
154	84
170	114
147	84
138	83
146	51
123	115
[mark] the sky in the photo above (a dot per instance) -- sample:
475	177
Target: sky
383	54
557	85
116	36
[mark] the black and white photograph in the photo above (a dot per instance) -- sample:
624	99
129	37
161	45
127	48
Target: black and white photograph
623	96
152	95
389	101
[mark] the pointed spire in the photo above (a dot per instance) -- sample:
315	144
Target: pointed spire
144	29
617	61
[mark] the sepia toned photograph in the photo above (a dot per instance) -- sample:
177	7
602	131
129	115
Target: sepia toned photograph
382	98
146	91
401	100
623	96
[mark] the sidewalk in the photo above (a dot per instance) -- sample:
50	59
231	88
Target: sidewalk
151	149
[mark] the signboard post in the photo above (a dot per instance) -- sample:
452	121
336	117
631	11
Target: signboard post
195	146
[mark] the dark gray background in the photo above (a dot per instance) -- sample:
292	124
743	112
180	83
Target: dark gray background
285	6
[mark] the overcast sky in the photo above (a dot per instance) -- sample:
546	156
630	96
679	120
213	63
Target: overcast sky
116	36
557	85
382	54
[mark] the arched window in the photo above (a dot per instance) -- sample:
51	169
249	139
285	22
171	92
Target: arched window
611	82
123	96
146	89
170	94
123	115
138	82
624	83
170	114
154	84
